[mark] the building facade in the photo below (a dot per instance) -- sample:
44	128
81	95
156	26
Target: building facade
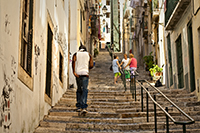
182	44
33	61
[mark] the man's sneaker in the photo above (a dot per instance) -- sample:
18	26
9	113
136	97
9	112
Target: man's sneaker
78	110
84	111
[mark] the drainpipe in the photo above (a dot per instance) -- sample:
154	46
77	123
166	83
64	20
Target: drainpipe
111	23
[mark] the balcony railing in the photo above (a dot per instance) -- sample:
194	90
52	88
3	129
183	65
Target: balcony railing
174	11
169	8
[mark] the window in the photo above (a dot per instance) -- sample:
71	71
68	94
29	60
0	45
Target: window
61	68
199	42
108	30
107	2
179	62
170	59
48	88
81	21
107	15
26	44
27	36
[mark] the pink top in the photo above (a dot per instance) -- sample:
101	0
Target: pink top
133	62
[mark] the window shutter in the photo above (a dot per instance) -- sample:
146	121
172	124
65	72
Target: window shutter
30	38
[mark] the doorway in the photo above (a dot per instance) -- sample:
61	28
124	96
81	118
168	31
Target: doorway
191	57
179	62
49	62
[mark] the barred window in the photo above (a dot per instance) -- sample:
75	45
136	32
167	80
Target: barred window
27	36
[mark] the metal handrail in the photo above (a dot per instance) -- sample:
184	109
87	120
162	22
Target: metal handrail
156	102
166	111
191	120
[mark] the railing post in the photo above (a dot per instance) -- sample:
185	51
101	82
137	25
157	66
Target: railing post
131	85
147	106
142	97
155	115
167	121
135	86
184	128
124	79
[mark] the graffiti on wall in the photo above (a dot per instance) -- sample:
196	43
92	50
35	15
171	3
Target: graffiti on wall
60	38
13	68
37	54
7	96
7	25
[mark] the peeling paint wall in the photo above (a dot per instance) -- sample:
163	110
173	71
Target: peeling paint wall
21	108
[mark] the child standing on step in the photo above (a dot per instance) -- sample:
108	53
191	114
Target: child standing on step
115	65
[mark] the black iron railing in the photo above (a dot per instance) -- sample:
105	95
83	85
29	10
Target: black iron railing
183	123
132	82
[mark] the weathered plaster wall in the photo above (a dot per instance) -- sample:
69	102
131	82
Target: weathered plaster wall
27	107
196	42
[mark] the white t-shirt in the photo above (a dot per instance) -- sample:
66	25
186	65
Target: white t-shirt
125	63
82	63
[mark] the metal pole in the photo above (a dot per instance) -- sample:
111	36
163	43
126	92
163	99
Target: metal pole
142	97
131	86
124	79
135	86
147	106
111	23
155	116
167	121
184	128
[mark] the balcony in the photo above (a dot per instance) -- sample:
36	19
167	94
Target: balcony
173	12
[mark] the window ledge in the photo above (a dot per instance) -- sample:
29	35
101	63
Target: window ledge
25	78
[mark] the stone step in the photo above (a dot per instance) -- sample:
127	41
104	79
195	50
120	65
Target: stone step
181	131
187	98
121	109
50	130
128	93
110	120
89	126
115	115
90	103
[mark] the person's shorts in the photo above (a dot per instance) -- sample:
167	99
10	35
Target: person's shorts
117	74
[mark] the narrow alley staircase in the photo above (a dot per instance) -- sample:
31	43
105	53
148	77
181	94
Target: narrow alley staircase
113	110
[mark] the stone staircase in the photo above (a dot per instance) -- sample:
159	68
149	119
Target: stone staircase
113	110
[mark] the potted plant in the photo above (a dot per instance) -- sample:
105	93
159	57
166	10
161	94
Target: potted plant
148	60
96	52
156	71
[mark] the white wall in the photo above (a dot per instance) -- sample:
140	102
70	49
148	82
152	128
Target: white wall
161	40
28	107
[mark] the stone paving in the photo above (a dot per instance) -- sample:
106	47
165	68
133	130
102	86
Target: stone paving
113	110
